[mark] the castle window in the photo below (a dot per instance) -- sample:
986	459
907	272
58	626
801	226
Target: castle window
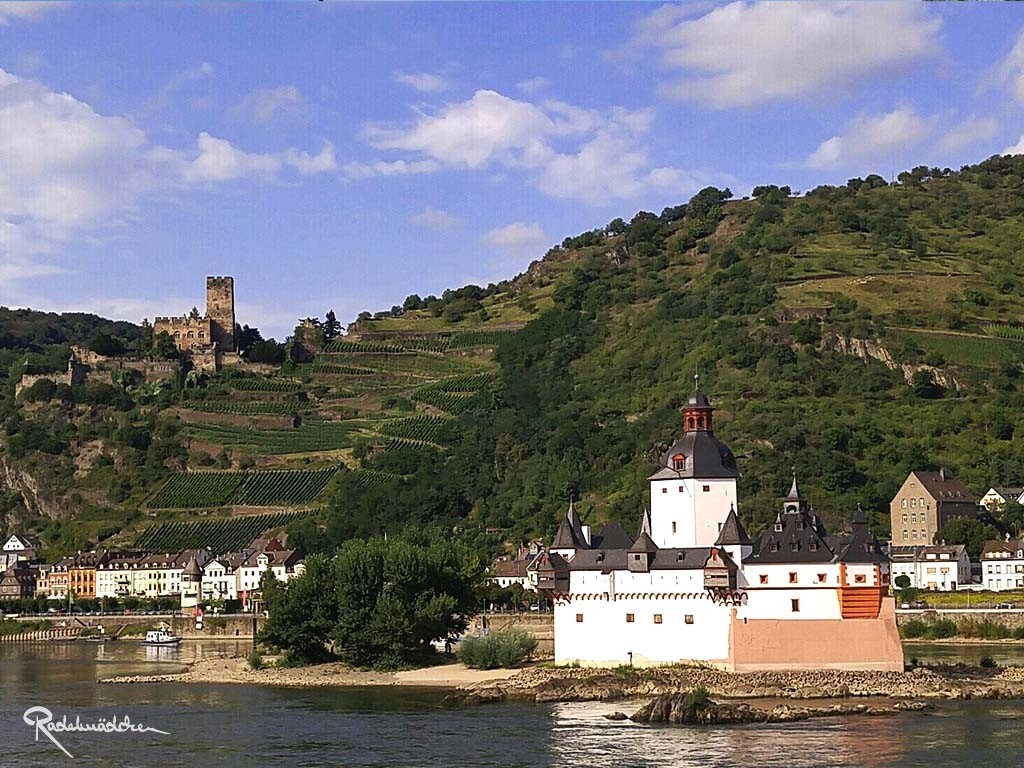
579	618
688	618
794	546
202	335
706	488
657	618
800	524
764	578
795	605
664	490
821	578
673	526
778	527
629	618
860	578
679	462
813	546
682	488
773	547
191	335
792	577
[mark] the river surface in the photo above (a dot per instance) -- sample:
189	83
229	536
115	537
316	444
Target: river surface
233	726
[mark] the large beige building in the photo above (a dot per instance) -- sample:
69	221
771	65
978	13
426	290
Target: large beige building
210	339
924	504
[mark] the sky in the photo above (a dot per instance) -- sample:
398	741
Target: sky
345	155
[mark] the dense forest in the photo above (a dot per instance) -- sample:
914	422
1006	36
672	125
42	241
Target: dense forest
760	296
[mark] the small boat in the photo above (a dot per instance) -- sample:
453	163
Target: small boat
161	637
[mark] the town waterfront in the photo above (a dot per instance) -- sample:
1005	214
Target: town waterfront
247	725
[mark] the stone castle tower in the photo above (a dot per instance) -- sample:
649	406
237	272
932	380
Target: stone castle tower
220	309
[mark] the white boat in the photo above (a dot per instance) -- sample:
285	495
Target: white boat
161	637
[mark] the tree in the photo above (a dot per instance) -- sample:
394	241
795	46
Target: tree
616	227
331	326
395	597
970	532
163	346
1013	516
412	301
923	385
902	581
246	338
105	344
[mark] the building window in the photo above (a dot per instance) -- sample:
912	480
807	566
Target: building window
821	578
657	618
904	503
913	503
682	488
813	546
913	534
664	490
904	517
688	618
913	517
923	535
793	546
673	526
778	527
579	618
706	488
679	462
629	618
792	577
764	578
795	605
860	578
920	502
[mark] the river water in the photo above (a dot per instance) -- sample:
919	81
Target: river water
250	727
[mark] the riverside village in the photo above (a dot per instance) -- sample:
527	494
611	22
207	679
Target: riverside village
512	384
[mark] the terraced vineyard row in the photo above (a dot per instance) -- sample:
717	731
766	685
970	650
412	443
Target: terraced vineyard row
343	370
203	490
250	408
478	339
968	350
220	536
452	402
399	443
1011	332
470	382
433	429
265	385
310	436
370	477
339	347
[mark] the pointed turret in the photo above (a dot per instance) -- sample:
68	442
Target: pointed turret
794	491
645	524
570	531
732	532
794	503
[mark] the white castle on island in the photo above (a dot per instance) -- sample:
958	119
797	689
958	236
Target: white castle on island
693	587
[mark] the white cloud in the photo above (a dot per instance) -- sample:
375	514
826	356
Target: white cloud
434	218
1011	70
24	9
424	82
67	171
220	160
1016	149
970	131
308	164
266	104
532	85
567	151
747	53
516	236
872	138
177	82
360	170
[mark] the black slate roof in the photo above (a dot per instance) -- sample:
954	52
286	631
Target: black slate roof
792	538
707	457
732	531
611	536
659	559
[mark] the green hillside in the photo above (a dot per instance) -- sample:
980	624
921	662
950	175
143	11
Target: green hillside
850	332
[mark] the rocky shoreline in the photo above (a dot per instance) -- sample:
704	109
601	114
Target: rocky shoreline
543	685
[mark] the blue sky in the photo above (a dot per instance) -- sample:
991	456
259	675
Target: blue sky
346	155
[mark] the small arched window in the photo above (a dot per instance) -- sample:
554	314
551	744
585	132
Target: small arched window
191	335
679	462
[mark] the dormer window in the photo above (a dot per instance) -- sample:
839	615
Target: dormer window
812	546
600	557
794	546
773	547
679	462
680	557
800	524
778	527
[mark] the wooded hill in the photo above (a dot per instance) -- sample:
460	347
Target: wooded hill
851	333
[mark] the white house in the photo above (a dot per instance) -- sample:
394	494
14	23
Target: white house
995	498
1002	564
22	546
693	587
159	575
942	568
114	575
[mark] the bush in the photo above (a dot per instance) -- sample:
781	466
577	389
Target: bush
501	649
988	662
255	659
913	629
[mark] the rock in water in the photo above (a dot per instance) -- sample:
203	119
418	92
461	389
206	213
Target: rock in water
616	716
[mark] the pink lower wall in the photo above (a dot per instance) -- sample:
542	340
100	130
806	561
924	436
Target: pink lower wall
764	644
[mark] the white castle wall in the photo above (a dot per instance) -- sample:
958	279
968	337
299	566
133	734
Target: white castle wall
697	513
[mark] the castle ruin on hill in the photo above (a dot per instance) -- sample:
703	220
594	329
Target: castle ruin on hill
208	340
